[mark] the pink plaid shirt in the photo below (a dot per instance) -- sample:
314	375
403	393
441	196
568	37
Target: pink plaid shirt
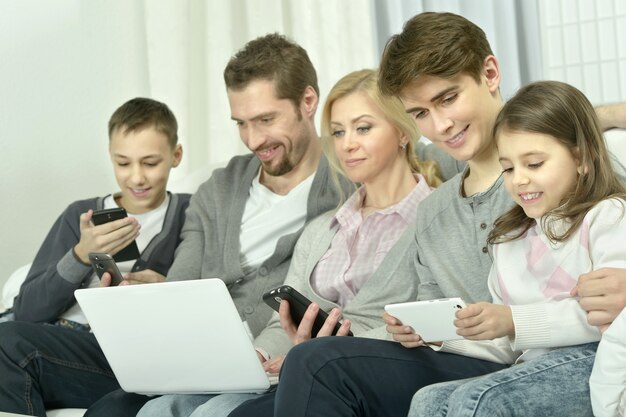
360	245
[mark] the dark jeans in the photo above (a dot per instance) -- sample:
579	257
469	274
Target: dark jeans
44	366
118	403
351	376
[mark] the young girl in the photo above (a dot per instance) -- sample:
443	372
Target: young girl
569	219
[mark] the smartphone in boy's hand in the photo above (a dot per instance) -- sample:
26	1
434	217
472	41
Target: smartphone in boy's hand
98	217
103	262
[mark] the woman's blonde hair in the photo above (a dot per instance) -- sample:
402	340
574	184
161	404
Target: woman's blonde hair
366	81
561	111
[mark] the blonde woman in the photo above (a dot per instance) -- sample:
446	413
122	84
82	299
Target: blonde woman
353	260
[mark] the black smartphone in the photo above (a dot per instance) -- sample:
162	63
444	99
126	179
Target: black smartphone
131	251
298	304
103	262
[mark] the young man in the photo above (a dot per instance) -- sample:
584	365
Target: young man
61	365
443	69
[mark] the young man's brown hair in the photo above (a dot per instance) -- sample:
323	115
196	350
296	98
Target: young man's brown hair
438	44
275	58
140	113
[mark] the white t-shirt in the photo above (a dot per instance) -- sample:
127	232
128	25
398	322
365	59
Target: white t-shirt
151	225
267	217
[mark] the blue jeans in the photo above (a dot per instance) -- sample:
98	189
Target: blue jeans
44	366
353	376
194	405
551	385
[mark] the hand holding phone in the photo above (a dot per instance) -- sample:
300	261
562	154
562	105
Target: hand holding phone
298	305
129	252
103	262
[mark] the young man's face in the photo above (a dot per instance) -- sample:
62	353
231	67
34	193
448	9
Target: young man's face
272	128
142	161
456	114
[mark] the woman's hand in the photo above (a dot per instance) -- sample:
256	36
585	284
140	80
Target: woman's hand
303	332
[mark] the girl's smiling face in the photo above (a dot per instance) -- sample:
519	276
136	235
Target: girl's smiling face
539	171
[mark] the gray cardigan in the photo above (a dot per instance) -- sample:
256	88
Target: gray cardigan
210	237
394	281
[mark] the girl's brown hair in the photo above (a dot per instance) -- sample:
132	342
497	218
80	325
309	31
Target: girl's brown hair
559	110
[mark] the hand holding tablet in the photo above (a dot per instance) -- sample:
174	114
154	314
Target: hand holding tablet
433	320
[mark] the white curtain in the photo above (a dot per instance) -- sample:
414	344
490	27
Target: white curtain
188	44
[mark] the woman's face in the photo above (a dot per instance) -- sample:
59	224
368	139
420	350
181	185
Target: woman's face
367	145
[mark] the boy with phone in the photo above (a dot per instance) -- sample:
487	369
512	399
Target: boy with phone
49	365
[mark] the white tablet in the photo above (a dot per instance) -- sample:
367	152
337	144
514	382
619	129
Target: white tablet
433	320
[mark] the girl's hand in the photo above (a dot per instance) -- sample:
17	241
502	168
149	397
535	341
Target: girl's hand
403	334
108	237
485	321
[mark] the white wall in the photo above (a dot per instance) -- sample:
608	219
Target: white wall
62	73
68	64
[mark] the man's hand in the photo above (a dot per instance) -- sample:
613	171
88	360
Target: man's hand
403	334
108	237
602	294
147	276
485	321
303	332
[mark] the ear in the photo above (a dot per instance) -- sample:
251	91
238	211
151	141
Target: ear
580	167
308	104
178	155
491	73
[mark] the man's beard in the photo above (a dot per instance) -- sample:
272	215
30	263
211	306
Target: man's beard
283	167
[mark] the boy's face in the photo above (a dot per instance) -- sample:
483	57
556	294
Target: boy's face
272	128
142	161
456	114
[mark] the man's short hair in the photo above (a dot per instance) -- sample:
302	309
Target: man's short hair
141	113
438	44
275	58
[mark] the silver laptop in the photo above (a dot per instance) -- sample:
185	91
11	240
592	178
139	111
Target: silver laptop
174	337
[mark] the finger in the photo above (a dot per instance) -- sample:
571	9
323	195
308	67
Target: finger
305	328
329	325
344	330
600	317
286	322
147	276
401	329
85	219
391	320
406	337
105	280
470	310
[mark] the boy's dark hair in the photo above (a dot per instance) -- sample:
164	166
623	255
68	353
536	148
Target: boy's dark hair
443	45
273	57
140	113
